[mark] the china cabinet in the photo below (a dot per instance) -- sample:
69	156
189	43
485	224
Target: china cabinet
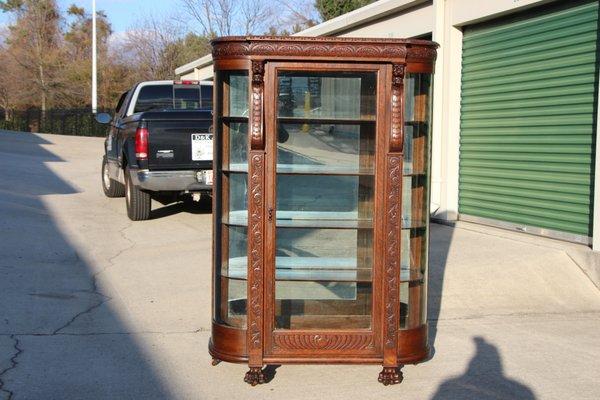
321	201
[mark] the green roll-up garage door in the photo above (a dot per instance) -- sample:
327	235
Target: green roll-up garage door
528	120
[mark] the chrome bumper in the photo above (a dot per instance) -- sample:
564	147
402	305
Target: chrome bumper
170	180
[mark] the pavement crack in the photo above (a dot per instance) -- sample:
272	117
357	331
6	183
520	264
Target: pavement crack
13	364
94	289
84	312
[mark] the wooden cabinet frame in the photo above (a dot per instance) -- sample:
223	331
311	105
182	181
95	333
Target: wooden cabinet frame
260	343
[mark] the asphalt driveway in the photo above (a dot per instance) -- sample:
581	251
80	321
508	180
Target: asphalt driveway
93	306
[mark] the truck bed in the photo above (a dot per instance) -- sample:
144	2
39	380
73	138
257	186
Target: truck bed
179	140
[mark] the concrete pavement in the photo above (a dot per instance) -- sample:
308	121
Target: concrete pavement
93	306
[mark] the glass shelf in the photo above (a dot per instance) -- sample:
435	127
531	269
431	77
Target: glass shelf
236	168
327	121
306	219
321	170
234	119
292	169
329	269
317	219
326	269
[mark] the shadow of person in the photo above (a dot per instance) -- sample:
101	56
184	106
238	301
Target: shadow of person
484	379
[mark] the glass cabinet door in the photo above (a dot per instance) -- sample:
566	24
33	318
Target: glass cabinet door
324	199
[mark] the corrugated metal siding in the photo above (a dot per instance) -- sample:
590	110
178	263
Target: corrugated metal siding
528	120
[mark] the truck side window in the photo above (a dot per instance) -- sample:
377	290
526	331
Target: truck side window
121	101
154	97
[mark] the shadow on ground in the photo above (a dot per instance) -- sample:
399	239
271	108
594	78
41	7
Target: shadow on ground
484	379
46	287
204	206
440	240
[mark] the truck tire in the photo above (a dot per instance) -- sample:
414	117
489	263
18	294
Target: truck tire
138	202
110	187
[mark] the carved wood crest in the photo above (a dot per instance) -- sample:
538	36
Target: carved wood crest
339	47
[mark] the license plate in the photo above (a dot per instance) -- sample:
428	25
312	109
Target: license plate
202	146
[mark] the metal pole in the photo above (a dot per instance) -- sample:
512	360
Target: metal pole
94	66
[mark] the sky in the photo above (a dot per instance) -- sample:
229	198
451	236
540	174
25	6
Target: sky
121	13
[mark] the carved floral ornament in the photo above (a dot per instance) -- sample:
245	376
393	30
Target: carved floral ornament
323	341
256	253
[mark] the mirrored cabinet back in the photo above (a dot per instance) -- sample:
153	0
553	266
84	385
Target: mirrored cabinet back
321	201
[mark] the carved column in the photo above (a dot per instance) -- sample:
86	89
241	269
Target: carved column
397	129
256	179
393	226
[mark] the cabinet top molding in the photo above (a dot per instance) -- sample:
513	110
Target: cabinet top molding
325	48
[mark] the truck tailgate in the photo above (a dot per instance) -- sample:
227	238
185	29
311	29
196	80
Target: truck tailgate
179	144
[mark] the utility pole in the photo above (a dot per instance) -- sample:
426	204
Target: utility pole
94	65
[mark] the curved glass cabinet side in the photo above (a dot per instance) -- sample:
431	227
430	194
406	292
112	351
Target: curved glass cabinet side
415	207
231	208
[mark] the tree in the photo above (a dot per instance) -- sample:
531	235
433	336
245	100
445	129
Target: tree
185	50
229	17
329	9
294	16
10	84
34	43
157	47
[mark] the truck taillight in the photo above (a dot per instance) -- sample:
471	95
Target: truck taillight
186	82
141	143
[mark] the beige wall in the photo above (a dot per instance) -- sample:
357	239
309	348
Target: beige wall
199	74
416	21
472	11
192	76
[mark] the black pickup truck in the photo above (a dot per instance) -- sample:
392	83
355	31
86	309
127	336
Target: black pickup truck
159	145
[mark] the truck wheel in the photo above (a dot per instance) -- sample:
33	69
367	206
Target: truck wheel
110	187
138	202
